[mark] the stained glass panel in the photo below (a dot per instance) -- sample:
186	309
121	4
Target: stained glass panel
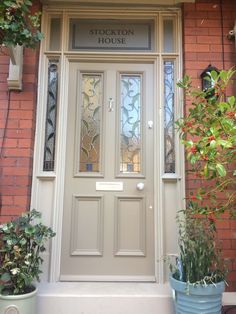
130	124
50	129
90	131
169	117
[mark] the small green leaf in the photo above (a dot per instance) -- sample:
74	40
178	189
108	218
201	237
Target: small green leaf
206	170
231	100
221	170
213	144
224	143
214	75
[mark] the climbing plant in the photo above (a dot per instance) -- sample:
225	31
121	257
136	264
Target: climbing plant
18	26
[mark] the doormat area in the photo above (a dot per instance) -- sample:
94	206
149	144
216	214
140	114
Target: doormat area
230	309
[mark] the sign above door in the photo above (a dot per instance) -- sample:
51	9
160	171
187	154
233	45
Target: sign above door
111	35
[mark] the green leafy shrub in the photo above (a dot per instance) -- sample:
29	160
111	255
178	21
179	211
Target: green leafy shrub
17	25
21	243
209	134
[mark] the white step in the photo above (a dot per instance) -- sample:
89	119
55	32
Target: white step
104	298
109	298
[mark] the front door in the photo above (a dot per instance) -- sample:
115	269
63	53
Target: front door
108	222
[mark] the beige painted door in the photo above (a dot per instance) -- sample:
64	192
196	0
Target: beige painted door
108	222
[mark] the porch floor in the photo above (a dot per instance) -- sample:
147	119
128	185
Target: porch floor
112	298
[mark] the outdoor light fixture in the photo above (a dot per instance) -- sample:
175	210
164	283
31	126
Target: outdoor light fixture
207	81
232	34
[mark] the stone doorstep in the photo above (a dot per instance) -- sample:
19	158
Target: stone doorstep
115	289
65	297
104	298
229	300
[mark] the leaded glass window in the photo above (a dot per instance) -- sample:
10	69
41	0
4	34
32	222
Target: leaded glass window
50	129
90	130
130	123
169	117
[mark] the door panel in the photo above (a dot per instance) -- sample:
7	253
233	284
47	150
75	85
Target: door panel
108	231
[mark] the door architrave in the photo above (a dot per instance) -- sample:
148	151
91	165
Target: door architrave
56	178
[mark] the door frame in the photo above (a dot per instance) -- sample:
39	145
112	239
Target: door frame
54	181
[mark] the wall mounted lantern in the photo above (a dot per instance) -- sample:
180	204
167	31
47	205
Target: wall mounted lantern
207	81
232	34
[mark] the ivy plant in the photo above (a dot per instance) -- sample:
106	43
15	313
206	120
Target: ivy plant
18	26
22	242
208	132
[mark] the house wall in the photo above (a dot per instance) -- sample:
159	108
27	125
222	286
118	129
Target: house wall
202	36
206	42
17	128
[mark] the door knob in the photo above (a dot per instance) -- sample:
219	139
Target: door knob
140	186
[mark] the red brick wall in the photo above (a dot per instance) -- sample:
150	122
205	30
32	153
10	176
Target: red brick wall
17	117
202	28
202	36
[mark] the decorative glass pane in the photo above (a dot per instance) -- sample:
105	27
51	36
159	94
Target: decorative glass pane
169	117
168	36
130	124
55	34
50	129
90	132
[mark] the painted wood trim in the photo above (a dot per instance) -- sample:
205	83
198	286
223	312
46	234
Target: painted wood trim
54	216
108	278
14	80
119	2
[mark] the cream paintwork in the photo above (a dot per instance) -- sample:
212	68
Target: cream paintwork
48	187
121	2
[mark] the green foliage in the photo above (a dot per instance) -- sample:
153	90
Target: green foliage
208	132
21	243
200	260
209	135
17	25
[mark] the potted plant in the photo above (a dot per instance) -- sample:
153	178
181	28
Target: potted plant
21	243
208	132
198	274
17	25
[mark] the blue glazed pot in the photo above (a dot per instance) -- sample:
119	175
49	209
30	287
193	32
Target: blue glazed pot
198	299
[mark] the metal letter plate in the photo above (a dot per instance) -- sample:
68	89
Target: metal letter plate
109	186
